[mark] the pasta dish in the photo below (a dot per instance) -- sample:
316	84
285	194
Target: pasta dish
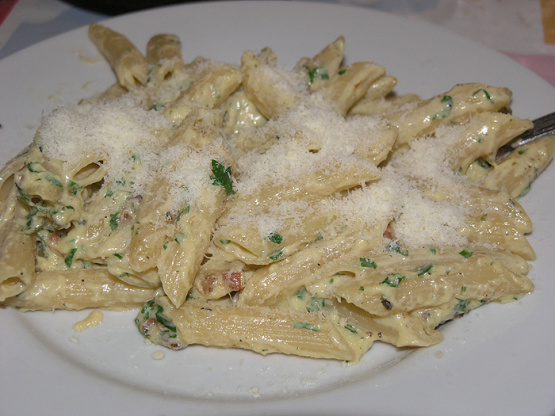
308	211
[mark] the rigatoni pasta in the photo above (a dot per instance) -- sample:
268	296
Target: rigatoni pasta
308	211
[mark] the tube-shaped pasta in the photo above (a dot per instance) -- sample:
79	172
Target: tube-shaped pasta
483	135
323	178
128	63
374	95
260	329
7	189
180	260
220	275
517	171
455	105
79	289
266	87
17	255
244	241
321	67
269	284
210	91
345	89
382	286
163	46
174	231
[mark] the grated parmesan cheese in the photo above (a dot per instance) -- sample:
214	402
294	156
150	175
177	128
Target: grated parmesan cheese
312	136
117	132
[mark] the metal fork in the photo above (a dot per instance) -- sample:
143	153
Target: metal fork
543	126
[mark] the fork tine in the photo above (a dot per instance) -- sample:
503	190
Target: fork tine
543	126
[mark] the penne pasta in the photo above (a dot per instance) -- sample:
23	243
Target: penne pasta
309	212
128	63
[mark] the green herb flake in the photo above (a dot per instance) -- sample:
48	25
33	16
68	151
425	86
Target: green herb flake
307	326
158	106
225	242
276	255
180	213
483	164
164	321
24	197
318	72
481	90
54	181
300	293
466	253
315	305
119	256
393	280
114	221
69	258
151	307
351	328
275	238
447	100
31	168
222	177
397	248
366	262
180	237
462	306
424	269
74	187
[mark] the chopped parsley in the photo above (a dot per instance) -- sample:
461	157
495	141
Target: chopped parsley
393	279
74	187
69	258
462	306
447	100
275	238
488	97
315	305
151	307
318	72
222	177
306	325
351	328
54	181
276	255
466	253
114	221
397	248
365	262
424	269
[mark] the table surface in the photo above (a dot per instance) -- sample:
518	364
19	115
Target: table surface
519	28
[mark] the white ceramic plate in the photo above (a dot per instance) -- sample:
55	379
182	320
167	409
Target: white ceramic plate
497	360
